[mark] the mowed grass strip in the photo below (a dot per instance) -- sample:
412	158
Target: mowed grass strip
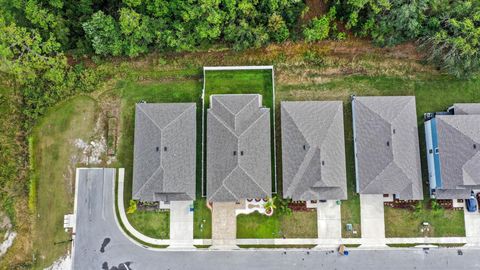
53	149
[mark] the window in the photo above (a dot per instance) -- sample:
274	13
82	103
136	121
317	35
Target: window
430	151
436	150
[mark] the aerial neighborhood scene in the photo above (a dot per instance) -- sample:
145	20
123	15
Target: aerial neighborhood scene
240	134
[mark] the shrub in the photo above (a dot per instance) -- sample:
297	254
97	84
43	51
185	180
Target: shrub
132	207
318	29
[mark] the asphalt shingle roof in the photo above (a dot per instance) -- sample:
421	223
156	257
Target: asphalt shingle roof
466	108
238	148
164	152
459	150
313	150
386	146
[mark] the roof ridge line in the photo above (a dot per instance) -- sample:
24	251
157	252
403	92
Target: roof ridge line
460	131
403	109
223	180
297	178
295	123
374	112
251	125
330	125
148	116
225	106
176	118
256	183
243	108
148	180
224	124
376	177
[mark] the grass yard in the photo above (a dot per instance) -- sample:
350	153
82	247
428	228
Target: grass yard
202	220
151	223
295	225
407	223
54	170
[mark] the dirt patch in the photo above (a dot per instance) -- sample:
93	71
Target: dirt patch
316	8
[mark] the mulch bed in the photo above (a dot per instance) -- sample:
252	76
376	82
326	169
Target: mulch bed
299	207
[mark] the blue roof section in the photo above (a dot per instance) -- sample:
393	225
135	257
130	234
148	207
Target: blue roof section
436	156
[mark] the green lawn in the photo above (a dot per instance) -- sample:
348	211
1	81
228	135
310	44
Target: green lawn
151	223
407	223
202	220
295	225
53	149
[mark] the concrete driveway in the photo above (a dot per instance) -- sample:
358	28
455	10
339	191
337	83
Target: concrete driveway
181	224
472	227
329	220
372	218
224	225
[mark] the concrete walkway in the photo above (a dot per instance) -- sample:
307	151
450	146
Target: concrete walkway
329	221
181	225
224	225
372	218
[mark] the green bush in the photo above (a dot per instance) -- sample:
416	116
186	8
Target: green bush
318	29
132	207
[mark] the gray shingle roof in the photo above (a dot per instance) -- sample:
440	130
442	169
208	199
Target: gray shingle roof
313	150
238	123
164	152
459	150
386	146
466	108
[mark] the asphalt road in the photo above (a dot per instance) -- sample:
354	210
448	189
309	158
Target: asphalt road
99	244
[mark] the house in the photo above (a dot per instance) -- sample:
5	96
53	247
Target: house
387	156
313	151
164	152
453	144
238	148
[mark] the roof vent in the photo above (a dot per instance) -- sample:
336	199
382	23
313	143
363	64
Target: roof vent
158	148
388	143
165	148
304	147
474	146
323	163
241	153
234	153
393	131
